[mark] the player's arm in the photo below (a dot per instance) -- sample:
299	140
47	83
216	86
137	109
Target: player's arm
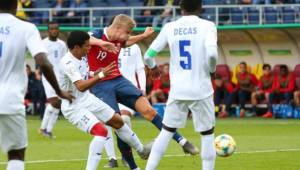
211	48
36	48
140	70
135	39
83	85
157	45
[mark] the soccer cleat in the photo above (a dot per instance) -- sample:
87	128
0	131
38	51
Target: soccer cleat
112	163
189	148
144	154
41	131
268	115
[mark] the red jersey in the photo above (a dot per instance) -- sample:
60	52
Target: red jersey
284	84
100	58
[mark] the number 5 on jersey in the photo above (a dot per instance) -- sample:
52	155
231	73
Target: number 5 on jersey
185	56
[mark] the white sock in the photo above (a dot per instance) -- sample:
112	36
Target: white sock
159	148
15	165
182	141
47	115
208	152
52	120
129	137
109	144
95	152
127	120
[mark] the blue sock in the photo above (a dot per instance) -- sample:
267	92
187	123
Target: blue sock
157	121
126	152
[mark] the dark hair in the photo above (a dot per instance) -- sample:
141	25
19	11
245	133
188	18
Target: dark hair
52	22
7	5
77	38
283	67
265	66
190	5
243	63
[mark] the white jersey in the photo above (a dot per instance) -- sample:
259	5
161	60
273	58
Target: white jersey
188	39
131	63
72	70
15	37
56	50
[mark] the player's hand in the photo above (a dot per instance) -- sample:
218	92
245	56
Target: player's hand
108	70
110	47
155	72
65	95
148	31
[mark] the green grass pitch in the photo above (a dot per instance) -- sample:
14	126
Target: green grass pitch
262	145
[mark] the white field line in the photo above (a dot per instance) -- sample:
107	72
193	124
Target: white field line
166	156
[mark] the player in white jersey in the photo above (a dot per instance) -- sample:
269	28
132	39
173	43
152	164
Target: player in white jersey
193	46
56	50
15	37
87	112
132	68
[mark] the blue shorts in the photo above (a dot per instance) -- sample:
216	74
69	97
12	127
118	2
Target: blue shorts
117	90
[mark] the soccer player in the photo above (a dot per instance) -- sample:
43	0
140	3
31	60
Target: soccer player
15	37
56	50
87	112
132	68
193	46
116	89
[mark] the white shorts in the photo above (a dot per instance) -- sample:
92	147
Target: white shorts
13	132
85	115
123	107
203	112
50	92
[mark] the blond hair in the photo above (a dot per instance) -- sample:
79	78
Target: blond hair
123	20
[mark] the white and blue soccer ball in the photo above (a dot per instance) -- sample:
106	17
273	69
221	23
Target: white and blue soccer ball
225	145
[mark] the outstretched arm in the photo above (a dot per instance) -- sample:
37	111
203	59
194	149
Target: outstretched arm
134	39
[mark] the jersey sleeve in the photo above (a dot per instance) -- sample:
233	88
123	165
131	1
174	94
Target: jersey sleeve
97	33
211	47
211	36
157	45
34	42
70	70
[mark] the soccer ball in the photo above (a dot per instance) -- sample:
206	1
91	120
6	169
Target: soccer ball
225	145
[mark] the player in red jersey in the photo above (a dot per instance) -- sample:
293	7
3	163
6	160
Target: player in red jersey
117	89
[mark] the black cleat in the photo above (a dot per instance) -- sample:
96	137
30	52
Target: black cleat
189	148
112	163
144	154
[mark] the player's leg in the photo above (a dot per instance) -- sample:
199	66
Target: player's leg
55	103
175	117
126	114
204	122
88	122
110	149
14	128
143	106
297	98
106	92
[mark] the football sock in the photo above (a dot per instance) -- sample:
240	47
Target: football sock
157	121
15	165
109	144
52	119
208	152
95	152
126	152
128	136
127	120
158	149
46	117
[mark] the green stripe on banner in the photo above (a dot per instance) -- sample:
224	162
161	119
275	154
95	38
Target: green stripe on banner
151	53
240	53
280	52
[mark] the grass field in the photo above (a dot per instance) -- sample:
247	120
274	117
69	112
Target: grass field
262	145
